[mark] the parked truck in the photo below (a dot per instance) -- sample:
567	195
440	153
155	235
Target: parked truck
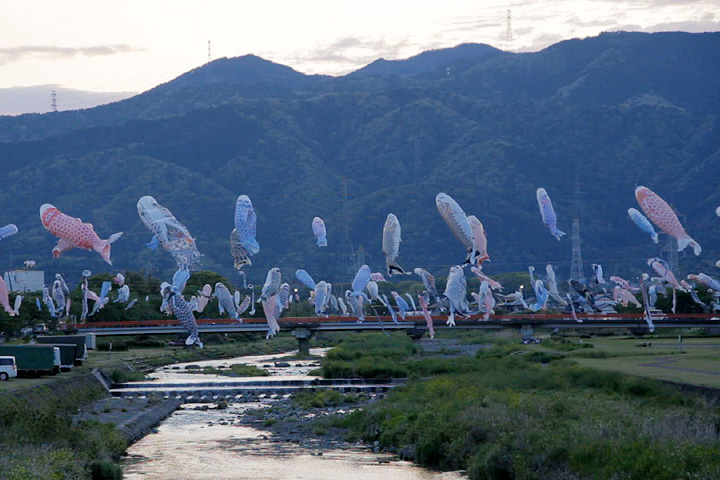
33	360
77	340
67	355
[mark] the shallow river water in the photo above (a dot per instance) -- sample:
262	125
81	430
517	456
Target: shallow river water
212	444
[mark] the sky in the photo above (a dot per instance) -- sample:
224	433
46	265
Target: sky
134	45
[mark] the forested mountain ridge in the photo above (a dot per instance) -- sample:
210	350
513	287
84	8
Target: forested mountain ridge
585	119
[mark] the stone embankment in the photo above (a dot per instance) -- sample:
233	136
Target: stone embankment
91	395
138	426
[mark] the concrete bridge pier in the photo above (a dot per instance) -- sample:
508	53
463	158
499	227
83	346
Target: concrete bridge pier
526	332
416	334
303	336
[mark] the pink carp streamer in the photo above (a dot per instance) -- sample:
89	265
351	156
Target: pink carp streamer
73	233
664	217
426	314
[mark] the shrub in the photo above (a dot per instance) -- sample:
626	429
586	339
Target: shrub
122	376
116	346
104	470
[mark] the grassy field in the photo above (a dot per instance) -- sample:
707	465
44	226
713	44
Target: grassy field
695	361
514	411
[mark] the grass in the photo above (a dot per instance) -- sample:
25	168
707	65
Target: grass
307	399
122	376
237	370
627	356
39	440
532	412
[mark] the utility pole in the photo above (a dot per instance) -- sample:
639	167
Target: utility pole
53	101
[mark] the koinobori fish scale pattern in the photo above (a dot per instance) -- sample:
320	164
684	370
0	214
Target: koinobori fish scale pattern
72	233
664	217
169	232
246	224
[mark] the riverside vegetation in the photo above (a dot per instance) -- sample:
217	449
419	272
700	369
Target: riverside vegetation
506	413
41	435
40	440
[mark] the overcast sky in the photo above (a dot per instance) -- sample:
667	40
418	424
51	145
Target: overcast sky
133	45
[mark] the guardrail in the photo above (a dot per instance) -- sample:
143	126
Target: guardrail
351	323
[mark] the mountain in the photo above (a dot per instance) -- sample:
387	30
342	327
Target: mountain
248	69
430	61
588	120
18	100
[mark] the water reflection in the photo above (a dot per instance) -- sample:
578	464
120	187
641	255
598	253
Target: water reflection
298	369
211	444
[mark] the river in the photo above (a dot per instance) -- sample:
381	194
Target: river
213	444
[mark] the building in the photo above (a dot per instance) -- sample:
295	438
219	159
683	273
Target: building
24	280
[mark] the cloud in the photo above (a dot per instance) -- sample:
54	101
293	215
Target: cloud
357	51
685	26
53	52
540	42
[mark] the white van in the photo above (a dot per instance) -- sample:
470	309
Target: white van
8	369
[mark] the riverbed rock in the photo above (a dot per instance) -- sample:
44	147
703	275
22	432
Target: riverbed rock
407	453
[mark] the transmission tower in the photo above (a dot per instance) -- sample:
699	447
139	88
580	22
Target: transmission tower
53	101
208	72
360	256
416	158
669	253
346	214
576	268
508	33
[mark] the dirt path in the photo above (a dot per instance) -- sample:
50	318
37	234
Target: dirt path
665	363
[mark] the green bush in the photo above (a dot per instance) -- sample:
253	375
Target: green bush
104	470
509	417
116	346
122	376
145	341
318	398
39	439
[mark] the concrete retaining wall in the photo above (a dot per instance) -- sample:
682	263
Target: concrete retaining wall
138	427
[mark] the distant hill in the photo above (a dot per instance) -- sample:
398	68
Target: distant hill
586	119
247	69
36	99
428	62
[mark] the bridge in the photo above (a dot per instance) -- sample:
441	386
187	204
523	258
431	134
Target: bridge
303	328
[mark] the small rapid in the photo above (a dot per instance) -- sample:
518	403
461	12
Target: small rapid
200	441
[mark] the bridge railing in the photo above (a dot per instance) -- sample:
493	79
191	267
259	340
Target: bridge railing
439	320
